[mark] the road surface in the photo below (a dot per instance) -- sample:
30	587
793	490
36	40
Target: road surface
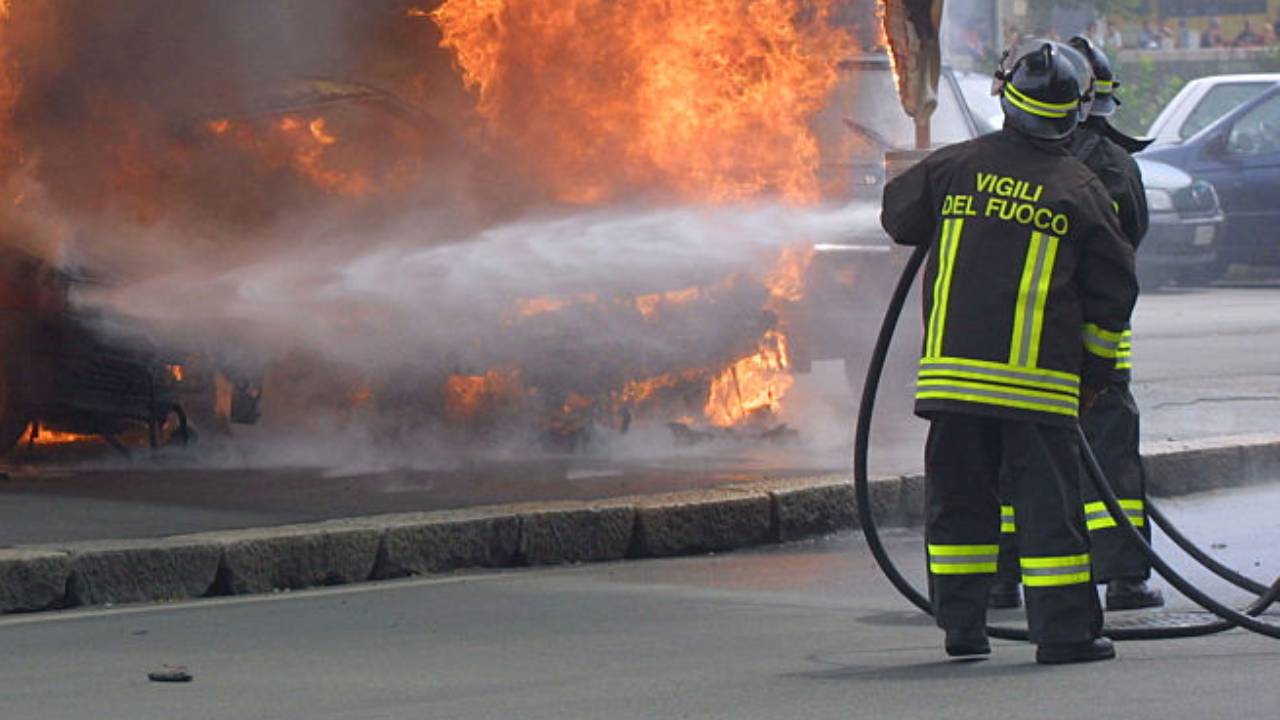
801	631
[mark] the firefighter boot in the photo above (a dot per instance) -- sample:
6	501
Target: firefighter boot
1088	651
1004	596
1124	594
968	642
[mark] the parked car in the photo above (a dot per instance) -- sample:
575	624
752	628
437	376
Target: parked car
1240	154
1186	233
1203	101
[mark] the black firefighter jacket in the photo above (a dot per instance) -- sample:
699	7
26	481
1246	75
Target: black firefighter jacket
1030	282
1122	178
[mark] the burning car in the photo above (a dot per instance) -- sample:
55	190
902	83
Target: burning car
68	373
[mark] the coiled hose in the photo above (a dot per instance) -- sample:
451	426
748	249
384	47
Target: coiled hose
1229	617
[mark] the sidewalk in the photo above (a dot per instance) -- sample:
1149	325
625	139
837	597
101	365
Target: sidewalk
610	522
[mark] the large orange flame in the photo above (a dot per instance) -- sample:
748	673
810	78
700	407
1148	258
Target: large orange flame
700	99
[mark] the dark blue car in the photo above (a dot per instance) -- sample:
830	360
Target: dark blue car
1240	155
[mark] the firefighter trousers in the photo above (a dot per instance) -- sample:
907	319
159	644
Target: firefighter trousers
1112	428
966	459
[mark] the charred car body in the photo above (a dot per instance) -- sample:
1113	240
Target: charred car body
87	372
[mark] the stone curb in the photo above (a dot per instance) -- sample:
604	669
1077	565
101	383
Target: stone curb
337	552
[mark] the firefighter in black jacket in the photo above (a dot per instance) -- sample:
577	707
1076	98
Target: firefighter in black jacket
1111	424
1028	288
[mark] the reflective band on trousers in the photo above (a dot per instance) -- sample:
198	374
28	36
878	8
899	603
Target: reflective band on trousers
1055	570
963	559
1097	517
1007	526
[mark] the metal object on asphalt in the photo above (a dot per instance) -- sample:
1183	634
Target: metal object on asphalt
171	674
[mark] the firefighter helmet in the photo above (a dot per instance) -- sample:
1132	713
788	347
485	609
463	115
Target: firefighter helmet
1105	101
1041	92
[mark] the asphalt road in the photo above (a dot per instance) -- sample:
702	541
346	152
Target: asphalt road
1206	364
800	631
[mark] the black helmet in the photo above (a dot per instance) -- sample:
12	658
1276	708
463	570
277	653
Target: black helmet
1041	92
1105	83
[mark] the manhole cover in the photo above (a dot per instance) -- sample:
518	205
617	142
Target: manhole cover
1158	619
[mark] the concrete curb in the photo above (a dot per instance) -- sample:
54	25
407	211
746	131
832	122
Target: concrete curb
336	552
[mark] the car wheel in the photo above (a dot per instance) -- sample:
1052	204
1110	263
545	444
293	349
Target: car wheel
14	417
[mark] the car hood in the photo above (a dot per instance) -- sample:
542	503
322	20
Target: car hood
1161	176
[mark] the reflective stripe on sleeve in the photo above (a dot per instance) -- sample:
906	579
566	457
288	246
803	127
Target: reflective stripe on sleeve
1007	524
1124	351
1055	570
963	559
1096	516
1103	343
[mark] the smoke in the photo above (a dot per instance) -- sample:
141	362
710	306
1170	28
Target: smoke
176	152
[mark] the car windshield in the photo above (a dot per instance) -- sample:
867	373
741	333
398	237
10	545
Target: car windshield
1220	100
987	113
864	118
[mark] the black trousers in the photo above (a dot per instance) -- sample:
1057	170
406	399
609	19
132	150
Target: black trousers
1112	427
966	459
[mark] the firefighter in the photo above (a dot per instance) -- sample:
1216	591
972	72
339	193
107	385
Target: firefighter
1111	424
1028	287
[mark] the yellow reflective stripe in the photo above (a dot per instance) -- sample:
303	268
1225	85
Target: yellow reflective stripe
991	394
1053	561
1056	378
1038	107
1007	524
1055	570
1124	351
1078	578
975	375
1033	293
949	241
1104	87
1102	343
997	401
963	559
1097	517
1041	299
1017	342
952	550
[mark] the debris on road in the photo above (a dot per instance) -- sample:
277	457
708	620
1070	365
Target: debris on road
171	674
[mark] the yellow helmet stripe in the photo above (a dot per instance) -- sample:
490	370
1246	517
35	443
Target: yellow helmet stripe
1025	102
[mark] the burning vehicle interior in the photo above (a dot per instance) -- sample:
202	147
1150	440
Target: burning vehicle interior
557	221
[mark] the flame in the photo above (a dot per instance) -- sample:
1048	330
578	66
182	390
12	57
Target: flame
176	372
705	100
57	437
753	384
466	396
648	304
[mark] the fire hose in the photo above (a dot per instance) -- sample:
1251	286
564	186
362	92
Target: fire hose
1228	617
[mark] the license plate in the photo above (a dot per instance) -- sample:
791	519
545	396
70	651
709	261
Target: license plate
1204	235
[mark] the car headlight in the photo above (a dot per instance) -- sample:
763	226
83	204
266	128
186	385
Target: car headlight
1159	200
